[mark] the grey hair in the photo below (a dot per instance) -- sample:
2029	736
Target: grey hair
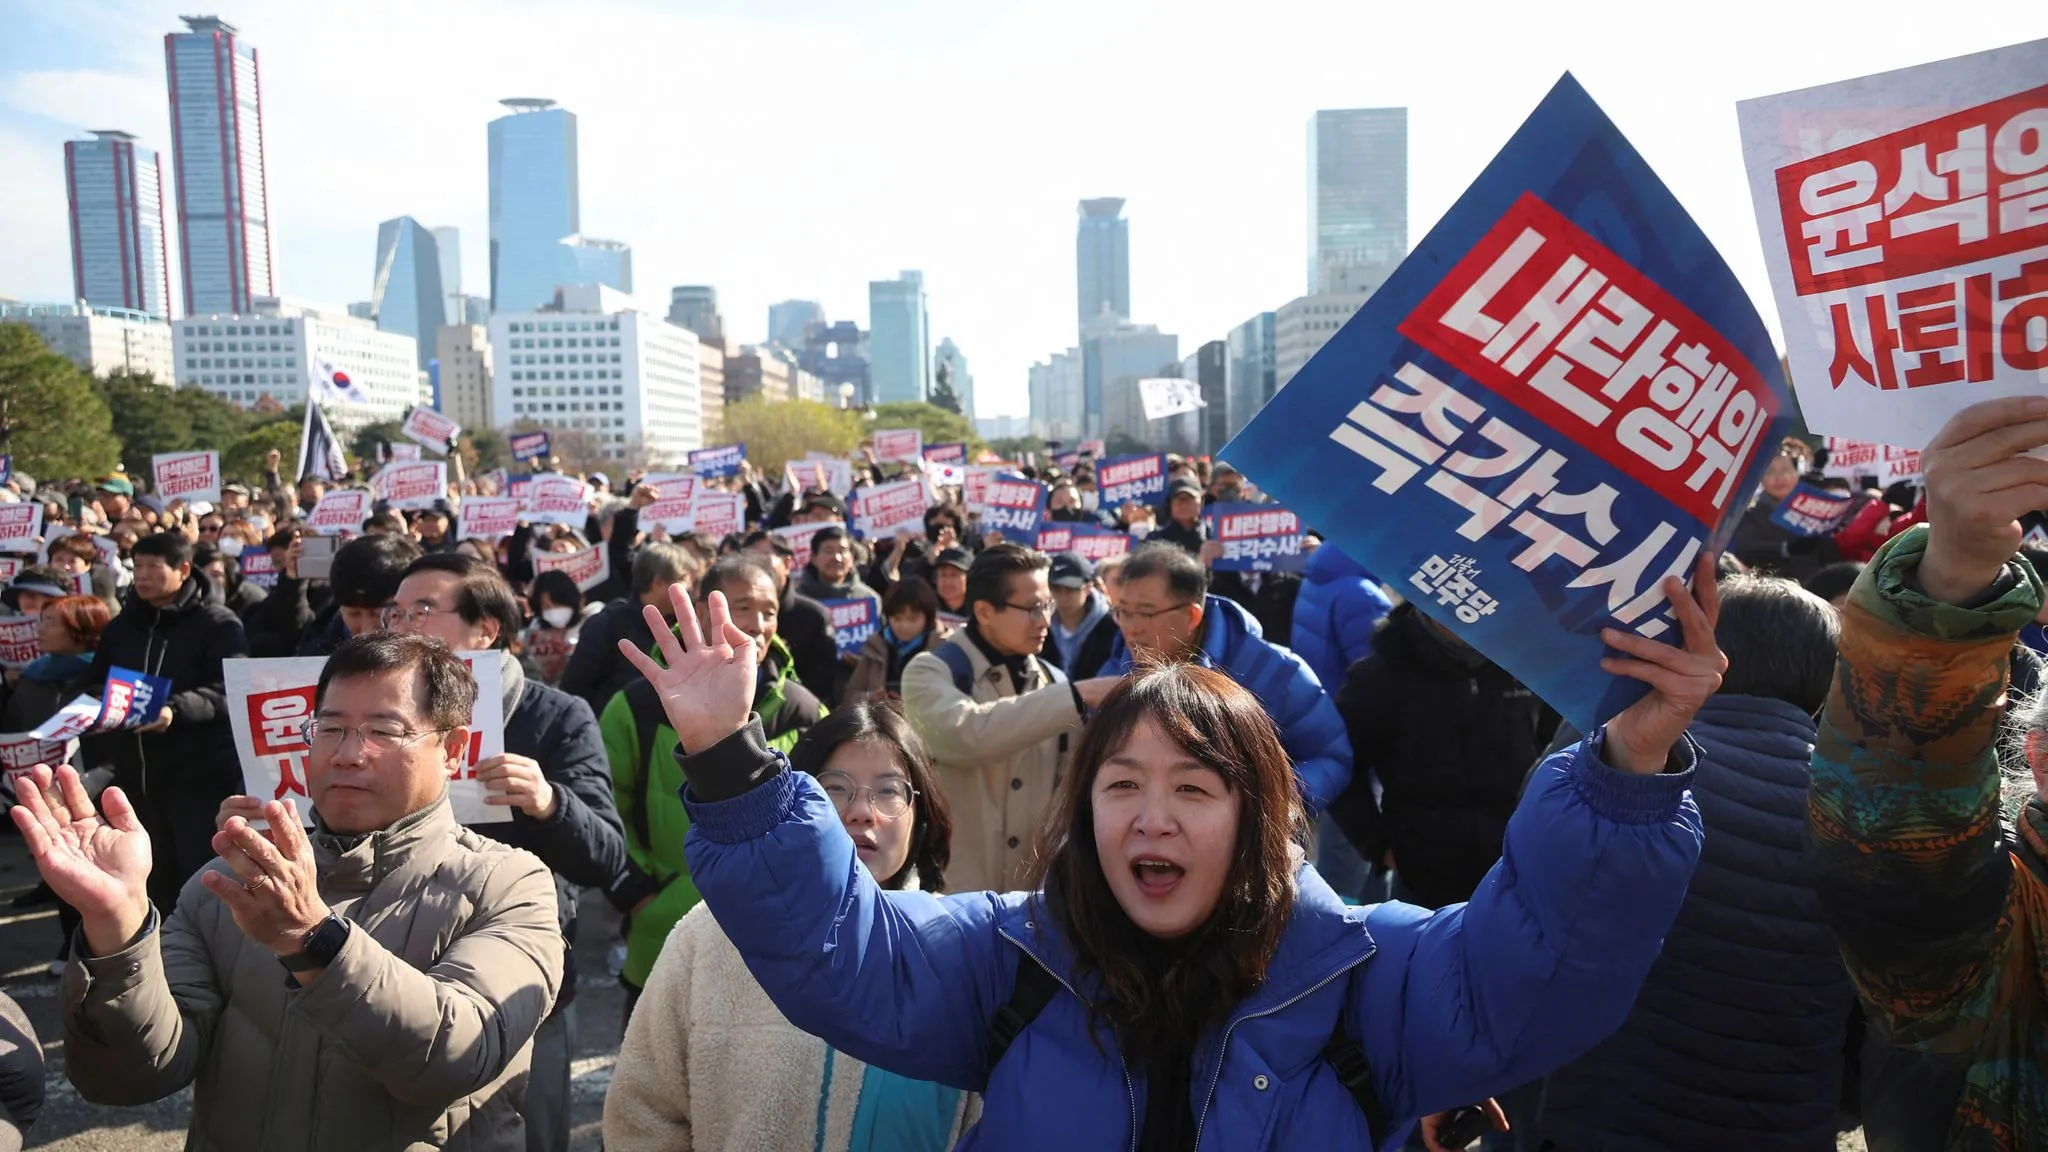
2016	786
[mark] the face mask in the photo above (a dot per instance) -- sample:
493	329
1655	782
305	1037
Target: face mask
1090	499
230	546
258	521
557	617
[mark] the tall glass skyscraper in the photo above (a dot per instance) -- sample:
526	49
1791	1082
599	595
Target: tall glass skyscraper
217	161
448	246
1248	370
789	322
533	202
406	296
117	224
1102	259
1357	197
899	339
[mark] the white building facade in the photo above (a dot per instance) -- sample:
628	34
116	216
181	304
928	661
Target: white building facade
596	363
275	350
1304	324
1056	397
464	351
100	340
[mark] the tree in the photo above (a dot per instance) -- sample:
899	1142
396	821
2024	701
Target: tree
1122	443
364	444
147	418
215	422
52	419
1014	447
484	449
777	431
244	459
938	425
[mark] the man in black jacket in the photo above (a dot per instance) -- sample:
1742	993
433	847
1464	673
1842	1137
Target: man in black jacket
1184	524
553	774
178	767
596	672
360	582
1083	628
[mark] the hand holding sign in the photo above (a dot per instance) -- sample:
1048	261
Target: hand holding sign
1979	483
1641	737
98	864
517	781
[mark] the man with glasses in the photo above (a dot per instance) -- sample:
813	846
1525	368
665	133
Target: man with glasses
1166	613
373	982
998	719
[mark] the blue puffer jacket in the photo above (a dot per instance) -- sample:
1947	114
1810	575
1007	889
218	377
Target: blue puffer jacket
1310	728
1736	1040
1335	613
1448	1007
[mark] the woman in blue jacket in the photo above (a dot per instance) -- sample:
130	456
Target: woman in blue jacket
1212	992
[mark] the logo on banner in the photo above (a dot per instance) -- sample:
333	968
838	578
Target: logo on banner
528	445
721	461
853	621
188	476
1127	478
1255	538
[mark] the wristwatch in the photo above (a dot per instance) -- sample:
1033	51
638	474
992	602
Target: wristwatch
322	945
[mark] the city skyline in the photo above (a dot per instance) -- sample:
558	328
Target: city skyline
344	153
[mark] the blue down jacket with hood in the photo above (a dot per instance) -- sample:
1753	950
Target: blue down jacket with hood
1335	613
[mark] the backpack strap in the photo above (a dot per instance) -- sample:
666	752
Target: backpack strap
958	662
1035	989
1355	1072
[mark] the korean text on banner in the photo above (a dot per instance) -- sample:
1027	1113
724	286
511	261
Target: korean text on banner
588	567
403	451
1905	225
1093	544
1810	511
187	476
835	475
718	514
489	517
674	509
19	753
412	484
974	484
269	702
1255	538
724	460
554	499
954	453
10	567
493	483
1016	507
1524	429
879	511
853	621
1124	478
528	446
1849	459
257	568
342	510
21	527
431	429
1055	538
905	445
18	641
798	536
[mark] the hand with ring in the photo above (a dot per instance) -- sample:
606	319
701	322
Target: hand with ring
271	889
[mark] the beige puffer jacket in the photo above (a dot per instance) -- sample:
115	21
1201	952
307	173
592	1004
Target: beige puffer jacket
419	1035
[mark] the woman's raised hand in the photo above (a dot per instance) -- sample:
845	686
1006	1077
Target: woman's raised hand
706	683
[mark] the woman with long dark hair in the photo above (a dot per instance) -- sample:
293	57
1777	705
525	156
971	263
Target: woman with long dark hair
1206	989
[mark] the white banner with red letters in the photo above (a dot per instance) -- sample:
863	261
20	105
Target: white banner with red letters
18	641
556	499
489	517
21	527
588	567
879	511
411	484
674	509
899	444
187	476
340	512
718	514
430	429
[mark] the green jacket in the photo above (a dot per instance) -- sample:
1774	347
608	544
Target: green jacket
647	784
1940	911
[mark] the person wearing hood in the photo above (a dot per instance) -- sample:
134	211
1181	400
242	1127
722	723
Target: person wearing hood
1166	613
552	774
1082	633
178	766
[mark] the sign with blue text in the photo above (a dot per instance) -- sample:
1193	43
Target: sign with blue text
528	446
1255	538
1811	511
724	460
853	621
1139	478
1015	508
1561	397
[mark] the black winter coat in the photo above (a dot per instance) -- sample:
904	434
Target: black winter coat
184	643
1450	743
1272	605
1774	551
596	672
805	626
1736	1038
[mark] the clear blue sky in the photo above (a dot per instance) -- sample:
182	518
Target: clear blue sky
802	148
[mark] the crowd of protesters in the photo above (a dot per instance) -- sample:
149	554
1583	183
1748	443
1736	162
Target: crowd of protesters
1132	852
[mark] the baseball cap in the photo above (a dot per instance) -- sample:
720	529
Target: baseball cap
953	558
35	582
600	480
824	500
1071	570
118	485
1184	484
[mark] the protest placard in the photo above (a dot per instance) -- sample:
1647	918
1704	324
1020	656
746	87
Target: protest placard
588	567
493	483
974	484
674	509
402	451
340	512
21	527
1903	218
1066	461
1525	431
1093	543
1255	538
954	453
880	510
488	517
257	567
411	484
10	567
518	485
669	484
187	476
899	444
834	476
724	460
528	446
1015	508
558	499
109	550
431	429
128	699
1164	396
269	702
798	537
21	751
18	642
853	621
1849	459
1810	511
718	514
1139	478
1055	538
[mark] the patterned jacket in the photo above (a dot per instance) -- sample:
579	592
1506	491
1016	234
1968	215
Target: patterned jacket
1942	917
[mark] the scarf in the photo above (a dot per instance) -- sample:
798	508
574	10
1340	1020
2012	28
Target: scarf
57	668
1019	666
511	681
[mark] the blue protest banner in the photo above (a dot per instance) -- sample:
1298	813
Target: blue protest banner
1066	461
1092	542
131	699
1812	511
853	621
529	446
1255	538
724	460
1140	478
1560	397
1015	507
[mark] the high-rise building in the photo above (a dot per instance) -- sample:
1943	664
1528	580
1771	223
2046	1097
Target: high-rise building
464	351
1056	397
448	246
474	310
837	354
1208	366
899	339
407	295
588	260
533	202
1002	427
790	321
117	224
594	362
1357	197
1102	259
711	388
1304	324
1248	370
224	248
275	348
100	340
1114	350
695	306
954	362
363	310
756	371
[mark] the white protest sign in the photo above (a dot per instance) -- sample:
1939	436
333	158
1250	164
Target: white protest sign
187	476
340	511
674	509
974	485
1165	396
18	641
899	444
21	751
718	514
404	451
1904	217
879	511
588	567
21	527
489	517
556	499
798	537
431	429
834	476
269	702
10	567
411	484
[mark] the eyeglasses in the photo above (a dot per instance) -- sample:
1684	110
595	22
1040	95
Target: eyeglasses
399	616
378	735
1041	610
889	801
1123	614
